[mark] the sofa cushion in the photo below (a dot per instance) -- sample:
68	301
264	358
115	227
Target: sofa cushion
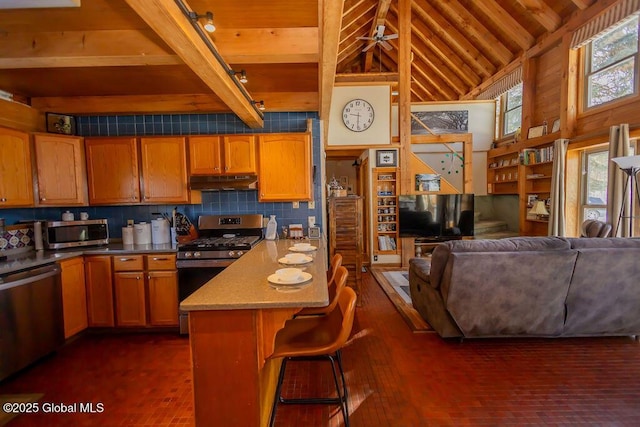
441	253
607	242
604	295
508	294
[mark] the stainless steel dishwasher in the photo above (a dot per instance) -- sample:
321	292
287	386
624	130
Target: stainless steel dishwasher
31	322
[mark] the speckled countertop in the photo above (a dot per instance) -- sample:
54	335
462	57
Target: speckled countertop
32	259
244	284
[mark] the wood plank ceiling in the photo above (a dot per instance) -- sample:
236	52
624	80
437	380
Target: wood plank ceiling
117	56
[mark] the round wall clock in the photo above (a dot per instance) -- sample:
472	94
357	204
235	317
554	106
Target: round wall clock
358	115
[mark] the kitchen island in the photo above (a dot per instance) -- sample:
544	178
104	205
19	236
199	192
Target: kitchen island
233	320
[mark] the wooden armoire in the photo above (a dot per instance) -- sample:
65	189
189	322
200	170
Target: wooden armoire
345	236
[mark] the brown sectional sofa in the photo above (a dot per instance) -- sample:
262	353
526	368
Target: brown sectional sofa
530	286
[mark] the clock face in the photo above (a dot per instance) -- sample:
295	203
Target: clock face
358	115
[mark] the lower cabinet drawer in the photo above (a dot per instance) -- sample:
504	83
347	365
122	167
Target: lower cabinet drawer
161	262
128	263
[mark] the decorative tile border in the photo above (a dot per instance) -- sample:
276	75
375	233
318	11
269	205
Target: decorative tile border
17	238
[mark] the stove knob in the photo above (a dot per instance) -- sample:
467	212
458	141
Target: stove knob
188	254
232	253
239	253
196	254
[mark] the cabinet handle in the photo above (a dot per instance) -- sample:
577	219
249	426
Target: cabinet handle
137	277
149	277
127	259
133	197
160	259
43	199
3	200
226	168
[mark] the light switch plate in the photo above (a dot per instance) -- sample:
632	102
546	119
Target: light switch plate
296	205
312	204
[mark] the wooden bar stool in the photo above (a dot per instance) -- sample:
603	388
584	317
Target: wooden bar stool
317	338
334	287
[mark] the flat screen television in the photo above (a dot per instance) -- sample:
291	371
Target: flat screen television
436	216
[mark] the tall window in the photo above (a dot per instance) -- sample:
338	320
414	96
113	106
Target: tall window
594	184
612	64
509	107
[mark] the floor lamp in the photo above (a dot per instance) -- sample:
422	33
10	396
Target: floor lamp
631	166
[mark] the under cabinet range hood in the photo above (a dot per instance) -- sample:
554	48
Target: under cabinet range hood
222	183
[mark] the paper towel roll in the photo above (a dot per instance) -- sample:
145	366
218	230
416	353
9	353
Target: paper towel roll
127	235
160	233
142	234
37	235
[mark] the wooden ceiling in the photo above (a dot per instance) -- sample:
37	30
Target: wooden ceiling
133	56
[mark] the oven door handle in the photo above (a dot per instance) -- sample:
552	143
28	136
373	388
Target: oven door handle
205	263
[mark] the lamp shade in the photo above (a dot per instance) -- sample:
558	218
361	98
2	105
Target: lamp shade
627	162
539	209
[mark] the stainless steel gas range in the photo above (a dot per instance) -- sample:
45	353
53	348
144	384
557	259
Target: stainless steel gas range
223	239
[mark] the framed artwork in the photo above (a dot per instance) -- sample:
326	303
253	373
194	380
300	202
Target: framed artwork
531	199
386	158
61	123
535	132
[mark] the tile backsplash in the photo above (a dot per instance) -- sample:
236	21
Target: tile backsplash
16	238
223	202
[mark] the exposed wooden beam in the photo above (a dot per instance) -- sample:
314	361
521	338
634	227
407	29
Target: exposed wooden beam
444	52
381	15
582	4
331	16
100	48
404	103
367	77
453	37
542	13
194	103
268	45
168	21
477	32
505	23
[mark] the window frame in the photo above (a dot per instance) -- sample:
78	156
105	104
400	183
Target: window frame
584	198
502	102
586	73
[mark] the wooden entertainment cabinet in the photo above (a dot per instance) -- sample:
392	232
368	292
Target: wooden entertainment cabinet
419	247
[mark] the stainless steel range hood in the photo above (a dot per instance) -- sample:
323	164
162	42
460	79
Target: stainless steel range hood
222	183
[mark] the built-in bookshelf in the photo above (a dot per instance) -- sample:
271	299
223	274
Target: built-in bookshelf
502	172
385	218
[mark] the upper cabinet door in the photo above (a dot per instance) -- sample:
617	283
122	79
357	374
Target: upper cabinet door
61	170
239	154
164	169
205	157
16	181
112	170
284	167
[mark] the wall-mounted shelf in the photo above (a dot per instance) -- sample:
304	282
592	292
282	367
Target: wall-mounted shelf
385	215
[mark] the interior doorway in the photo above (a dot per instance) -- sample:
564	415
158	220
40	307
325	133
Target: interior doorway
348	170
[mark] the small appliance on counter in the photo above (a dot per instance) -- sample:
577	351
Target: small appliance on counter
70	234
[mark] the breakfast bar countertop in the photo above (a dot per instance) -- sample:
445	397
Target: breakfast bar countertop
244	284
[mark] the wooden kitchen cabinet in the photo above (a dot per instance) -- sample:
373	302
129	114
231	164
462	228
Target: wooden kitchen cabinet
98	282
164	169
112	170
284	167
61	174
220	155
74	296
16	181
146	290
346	236
162	279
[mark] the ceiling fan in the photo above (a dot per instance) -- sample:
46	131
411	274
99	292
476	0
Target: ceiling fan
379	39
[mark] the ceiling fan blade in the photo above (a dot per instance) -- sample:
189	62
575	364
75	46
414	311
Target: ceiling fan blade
369	46
365	38
380	31
390	37
386	45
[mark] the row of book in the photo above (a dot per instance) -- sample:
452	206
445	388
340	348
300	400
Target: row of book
530	156
386	243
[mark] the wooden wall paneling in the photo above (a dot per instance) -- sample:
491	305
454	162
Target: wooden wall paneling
529	70
19	116
569	89
548	84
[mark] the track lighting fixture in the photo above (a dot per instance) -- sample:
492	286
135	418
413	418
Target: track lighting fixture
242	73
259	104
208	16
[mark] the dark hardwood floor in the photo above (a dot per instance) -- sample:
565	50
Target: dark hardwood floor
395	378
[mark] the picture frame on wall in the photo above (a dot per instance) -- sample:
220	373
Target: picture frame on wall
61	123
386	158
535	131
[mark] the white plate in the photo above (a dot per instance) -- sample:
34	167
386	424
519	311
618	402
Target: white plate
309	249
275	279
284	260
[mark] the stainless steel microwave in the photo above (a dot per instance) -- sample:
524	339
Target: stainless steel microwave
70	234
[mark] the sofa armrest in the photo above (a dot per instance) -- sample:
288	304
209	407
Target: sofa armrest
421	267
